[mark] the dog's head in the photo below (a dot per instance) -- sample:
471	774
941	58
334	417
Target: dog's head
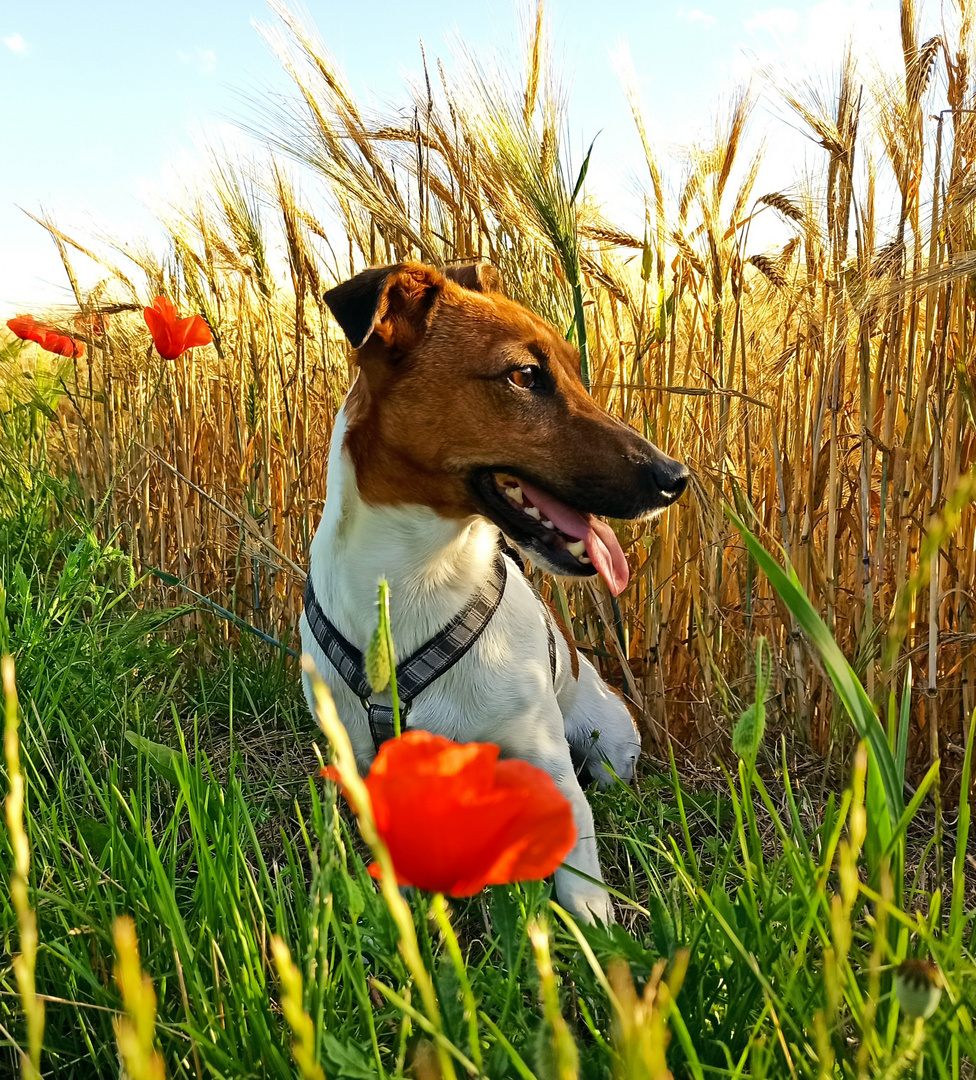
470	404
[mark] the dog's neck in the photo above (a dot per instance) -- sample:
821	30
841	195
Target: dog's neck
433	565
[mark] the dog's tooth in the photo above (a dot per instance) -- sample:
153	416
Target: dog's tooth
533	512
514	493
583	559
548	524
577	548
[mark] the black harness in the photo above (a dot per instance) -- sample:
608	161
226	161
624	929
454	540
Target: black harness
423	666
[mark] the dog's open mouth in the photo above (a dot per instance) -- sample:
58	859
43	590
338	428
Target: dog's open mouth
563	540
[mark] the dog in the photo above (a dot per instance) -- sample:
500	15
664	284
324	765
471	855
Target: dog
467	420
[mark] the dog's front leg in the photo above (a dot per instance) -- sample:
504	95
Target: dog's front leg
585	899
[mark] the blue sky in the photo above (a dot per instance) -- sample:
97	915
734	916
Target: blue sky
104	99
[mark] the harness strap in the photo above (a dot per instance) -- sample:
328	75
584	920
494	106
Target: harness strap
424	665
341	654
444	650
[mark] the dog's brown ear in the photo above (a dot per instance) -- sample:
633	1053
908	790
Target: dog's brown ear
392	302
478	276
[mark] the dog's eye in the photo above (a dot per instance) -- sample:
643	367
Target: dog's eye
525	378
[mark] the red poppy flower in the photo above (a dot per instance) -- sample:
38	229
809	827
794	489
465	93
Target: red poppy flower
96	323
27	330
173	336
456	819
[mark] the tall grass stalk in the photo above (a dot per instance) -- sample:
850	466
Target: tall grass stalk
345	764
135	1031
24	963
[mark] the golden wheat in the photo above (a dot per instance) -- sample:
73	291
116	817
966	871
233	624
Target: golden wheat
835	409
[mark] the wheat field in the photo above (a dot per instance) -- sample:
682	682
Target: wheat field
823	389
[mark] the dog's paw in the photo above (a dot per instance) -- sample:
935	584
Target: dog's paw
602	735
609	755
584	900
621	755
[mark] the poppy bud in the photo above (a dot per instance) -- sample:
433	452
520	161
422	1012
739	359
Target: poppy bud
918	987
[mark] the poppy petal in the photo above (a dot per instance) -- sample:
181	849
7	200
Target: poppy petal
160	328
66	346
22	326
528	854
164	306
197	332
26	329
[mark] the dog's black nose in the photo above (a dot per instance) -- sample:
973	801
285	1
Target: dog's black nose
670	476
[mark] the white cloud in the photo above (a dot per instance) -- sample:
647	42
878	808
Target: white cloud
812	43
779	21
868	24
15	43
696	15
203	61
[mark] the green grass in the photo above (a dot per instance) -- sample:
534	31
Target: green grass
183	792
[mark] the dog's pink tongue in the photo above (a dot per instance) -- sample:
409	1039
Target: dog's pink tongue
602	545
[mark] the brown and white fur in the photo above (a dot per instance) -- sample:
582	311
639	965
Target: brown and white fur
432	436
